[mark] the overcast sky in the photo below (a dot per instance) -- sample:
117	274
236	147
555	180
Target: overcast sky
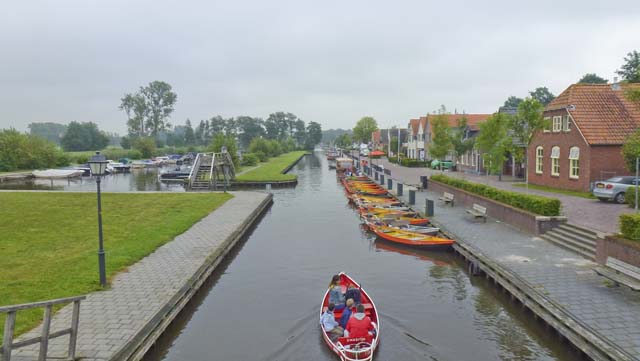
327	61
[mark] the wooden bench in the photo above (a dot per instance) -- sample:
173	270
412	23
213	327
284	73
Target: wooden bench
478	211
620	272
447	198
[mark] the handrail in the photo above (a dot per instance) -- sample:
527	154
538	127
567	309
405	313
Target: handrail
194	166
213	161
10	322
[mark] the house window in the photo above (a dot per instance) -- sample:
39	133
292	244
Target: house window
545	129
557	124
565	123
539	154
574	163
555	161
473	158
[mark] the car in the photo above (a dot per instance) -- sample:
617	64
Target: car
445	164
614	188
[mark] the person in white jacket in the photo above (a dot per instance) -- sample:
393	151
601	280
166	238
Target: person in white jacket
328	321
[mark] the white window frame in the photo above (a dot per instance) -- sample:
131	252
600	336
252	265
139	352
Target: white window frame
546	122
565	123
473	158
557	124
574	163
555	161
539	159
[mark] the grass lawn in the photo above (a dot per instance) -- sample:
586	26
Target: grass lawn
271	170
49	241
556	190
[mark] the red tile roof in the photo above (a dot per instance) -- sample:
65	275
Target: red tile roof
603	115
414	125
473	120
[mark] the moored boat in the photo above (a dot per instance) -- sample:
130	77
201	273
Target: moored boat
352	348
410	238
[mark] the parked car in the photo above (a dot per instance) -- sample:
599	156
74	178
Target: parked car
445	164
613	188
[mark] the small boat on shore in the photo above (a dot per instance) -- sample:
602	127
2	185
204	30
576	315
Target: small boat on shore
350	348
58	173
410	238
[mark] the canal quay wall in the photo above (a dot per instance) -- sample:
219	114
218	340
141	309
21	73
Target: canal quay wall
557	286
123	322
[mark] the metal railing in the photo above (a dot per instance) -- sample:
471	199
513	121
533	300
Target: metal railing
10	322
194	167
213	163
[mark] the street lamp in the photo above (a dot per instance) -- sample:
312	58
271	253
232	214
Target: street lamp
98	164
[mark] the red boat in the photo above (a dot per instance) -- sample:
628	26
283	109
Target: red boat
351	349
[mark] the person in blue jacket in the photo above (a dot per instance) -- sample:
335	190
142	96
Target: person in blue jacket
346	313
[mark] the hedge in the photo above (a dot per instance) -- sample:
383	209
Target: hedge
408	162
535	204
630	226
630	197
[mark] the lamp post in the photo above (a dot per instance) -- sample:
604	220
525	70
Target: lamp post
98	165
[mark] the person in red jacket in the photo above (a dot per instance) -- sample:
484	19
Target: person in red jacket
359	324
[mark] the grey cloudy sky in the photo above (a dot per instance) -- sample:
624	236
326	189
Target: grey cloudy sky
326	61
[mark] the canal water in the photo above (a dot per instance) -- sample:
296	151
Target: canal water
263	303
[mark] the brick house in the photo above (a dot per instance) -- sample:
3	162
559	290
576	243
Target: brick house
588	125
380	139
412	138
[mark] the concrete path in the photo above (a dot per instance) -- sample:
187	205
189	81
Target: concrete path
562	276
110	319
588	213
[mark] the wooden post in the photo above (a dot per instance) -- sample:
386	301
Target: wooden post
73	336
44	343
7	339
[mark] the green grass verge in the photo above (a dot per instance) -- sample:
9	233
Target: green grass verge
271	170
556	190
49	241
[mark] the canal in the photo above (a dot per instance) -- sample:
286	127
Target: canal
263	303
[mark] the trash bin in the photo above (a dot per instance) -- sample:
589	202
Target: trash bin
429	208
424	180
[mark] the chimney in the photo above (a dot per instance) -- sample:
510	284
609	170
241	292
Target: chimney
615	85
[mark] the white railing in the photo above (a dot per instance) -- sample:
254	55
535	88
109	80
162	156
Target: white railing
213	163
194	167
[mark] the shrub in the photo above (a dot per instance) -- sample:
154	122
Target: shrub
220	140
630	197
274	148
259	145
532	203
262	156
630	226
23	151
145	145
249	159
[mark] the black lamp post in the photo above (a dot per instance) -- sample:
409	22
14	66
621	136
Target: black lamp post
98	164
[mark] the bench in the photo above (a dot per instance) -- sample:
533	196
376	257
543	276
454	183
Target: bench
478	211
447	198
620	272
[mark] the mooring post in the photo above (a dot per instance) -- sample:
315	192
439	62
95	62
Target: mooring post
389	183
429	207
381	178
400	189
375	176
412	197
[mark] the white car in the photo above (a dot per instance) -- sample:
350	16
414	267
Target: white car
613	188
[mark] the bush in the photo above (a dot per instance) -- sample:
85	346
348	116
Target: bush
274	148
630	226
220	140
249	159
22	151
534	204
146	146
630	197
262	157
259	145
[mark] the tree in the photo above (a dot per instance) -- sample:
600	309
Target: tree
494	142
280	125
631	150
393	144
543	95
300	133
512	102
344	141
189	135
160	101
459	143
145	145
330	135
524	125
441	138
592	78
83	136
630	71
22	151
363	129
135	106
249	128
229	141
314	135
52	132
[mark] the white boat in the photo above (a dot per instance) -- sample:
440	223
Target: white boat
145	163
58	173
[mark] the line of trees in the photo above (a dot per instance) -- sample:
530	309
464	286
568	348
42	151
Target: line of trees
24	151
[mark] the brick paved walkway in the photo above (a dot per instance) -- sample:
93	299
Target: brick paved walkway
109	319
589	213
566	278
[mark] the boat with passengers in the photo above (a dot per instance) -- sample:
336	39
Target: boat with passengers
353	348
